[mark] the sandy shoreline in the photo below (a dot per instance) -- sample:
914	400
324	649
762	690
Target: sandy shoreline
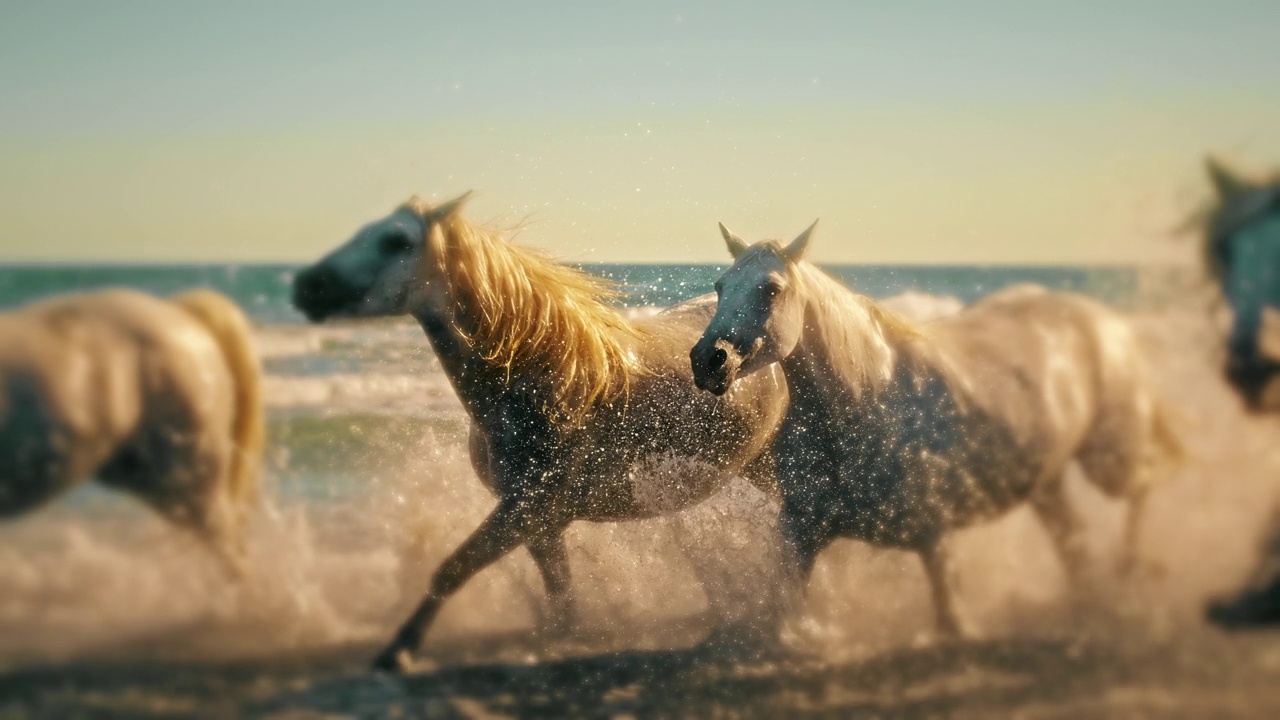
1195	675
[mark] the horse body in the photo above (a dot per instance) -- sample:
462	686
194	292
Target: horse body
896	434
156	397
577	413
665	448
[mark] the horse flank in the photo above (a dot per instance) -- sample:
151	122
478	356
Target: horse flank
535	318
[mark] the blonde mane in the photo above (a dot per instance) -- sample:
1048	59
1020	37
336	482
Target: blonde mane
869	337
534	317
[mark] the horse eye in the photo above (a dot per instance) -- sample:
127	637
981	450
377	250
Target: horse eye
771	290
396	245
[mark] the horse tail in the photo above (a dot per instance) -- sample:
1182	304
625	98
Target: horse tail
231	329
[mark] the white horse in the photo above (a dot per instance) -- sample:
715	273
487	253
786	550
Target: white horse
576	412
896	434
156	397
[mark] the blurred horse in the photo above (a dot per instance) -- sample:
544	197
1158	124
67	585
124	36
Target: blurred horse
1242	252
896	434
159	398
577	413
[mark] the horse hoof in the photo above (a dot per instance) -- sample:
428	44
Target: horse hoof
393	660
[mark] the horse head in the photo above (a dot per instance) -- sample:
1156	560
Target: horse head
759	314
1243	251
389	267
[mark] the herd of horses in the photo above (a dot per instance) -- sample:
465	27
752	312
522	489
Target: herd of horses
858	422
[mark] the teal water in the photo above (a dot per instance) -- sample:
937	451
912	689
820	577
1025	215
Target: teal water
263	289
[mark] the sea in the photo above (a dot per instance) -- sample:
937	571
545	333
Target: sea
368	487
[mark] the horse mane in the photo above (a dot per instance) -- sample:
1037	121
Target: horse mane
865	335
536	318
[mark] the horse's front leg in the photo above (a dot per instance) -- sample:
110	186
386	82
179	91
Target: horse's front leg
802	540
512	523
552	558
938	568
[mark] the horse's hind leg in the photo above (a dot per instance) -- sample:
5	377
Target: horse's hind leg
1054	510
552	558
951	622
186	492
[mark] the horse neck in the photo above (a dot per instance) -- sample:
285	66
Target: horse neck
471	375
550	349
848	346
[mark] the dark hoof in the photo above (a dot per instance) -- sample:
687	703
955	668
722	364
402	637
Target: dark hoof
395	660
1255	607
1242	615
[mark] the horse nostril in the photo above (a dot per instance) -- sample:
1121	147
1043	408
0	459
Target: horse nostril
718	358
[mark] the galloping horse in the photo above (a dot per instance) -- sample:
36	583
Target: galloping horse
577	413
1242	250
896	434
156	397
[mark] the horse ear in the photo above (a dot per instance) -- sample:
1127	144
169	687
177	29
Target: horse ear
795	251
1224	181
444	210
736	245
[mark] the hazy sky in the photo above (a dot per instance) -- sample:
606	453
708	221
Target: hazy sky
918	132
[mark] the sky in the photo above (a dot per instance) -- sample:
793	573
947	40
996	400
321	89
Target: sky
919	132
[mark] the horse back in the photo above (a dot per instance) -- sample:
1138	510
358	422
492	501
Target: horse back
91	367
1062	369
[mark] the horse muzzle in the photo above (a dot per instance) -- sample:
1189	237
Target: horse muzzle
715	365
319	293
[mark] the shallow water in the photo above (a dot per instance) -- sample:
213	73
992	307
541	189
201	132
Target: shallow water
370	487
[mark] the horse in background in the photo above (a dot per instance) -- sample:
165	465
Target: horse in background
577	413
1242	254
897	434
156	397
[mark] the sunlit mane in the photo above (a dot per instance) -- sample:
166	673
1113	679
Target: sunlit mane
537	318
868	336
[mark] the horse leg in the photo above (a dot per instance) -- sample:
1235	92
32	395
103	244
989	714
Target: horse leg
185	492
1128	564
511	524
802	539
941	576
800	545
1052	507
552	558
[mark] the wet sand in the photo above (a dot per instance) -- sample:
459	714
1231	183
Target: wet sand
1199	674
